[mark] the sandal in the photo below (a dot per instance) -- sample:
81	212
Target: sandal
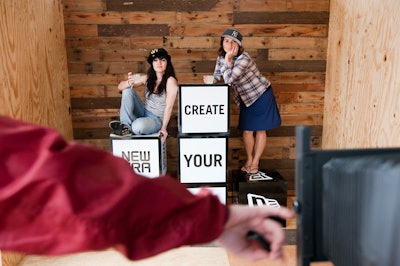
252	170
259	176
245	169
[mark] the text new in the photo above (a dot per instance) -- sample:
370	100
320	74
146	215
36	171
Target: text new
138	160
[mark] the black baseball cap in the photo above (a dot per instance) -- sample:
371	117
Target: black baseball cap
158	53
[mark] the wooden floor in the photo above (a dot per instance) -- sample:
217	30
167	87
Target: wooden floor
188	256
185	256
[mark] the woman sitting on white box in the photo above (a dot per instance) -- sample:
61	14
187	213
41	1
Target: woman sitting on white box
161	89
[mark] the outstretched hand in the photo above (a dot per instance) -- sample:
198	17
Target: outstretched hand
243	219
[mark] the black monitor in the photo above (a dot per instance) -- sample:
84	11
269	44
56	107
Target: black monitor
347	204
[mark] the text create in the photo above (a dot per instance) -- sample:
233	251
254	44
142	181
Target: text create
211	109
203	109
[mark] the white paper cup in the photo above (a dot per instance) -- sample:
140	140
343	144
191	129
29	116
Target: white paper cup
209	79
136	78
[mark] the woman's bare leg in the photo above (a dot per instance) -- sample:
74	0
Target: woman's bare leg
258	149
248	139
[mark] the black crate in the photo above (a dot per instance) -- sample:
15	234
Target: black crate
267	192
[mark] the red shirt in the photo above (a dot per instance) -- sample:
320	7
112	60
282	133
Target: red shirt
60	197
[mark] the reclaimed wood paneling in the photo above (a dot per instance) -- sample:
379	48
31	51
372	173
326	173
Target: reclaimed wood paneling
280	17
296	54
292	66
283	5
273	30
287	39
133	30
87	5
170	5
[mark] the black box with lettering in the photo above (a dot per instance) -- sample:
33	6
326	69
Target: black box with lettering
203	109
146	154
259	190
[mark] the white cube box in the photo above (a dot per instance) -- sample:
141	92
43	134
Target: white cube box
219	191
203	109
203	159
146	154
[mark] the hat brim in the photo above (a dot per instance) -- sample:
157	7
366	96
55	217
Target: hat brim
234	39
150	59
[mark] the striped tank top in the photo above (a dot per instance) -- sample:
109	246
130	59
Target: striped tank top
155	103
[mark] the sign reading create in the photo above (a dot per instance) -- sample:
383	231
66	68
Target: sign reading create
145	155
204	109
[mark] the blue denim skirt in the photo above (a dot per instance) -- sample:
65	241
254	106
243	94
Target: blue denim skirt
263	114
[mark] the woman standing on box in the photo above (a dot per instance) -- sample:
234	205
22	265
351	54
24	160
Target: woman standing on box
161	89
252	92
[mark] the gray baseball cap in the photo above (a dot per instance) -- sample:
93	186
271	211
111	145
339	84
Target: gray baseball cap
233	34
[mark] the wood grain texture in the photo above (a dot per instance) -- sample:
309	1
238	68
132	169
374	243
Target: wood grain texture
362	100
133	30
287	39
280	17
33	67
170	5
283	5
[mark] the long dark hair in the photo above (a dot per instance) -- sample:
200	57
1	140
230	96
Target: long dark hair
221	51
152	77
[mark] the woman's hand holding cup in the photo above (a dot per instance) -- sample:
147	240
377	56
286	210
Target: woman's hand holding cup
134	79
208	79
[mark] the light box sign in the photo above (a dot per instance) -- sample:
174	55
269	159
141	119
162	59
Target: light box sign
204	109
202	160
146	156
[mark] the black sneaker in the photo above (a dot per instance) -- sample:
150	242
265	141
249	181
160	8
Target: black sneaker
114	124
119	130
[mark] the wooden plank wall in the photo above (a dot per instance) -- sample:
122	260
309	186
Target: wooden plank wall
362	104
33	64
287	38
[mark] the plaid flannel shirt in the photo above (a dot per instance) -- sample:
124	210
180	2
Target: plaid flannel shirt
243	76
